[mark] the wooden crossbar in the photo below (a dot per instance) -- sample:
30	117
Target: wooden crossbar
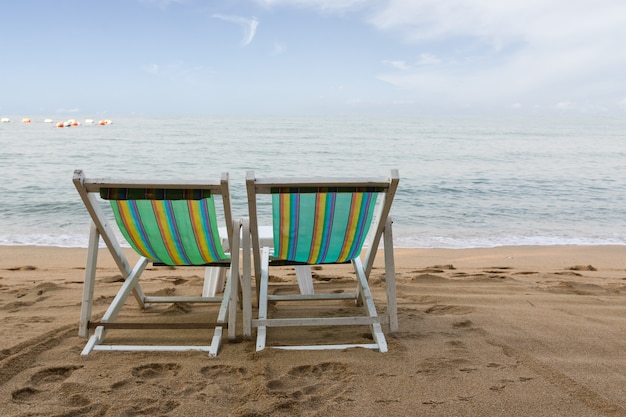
156	326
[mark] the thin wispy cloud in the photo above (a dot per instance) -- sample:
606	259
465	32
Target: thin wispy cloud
397	64
249	26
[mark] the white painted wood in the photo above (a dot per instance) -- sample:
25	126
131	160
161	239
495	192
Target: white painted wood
328	347
214	278
305	279
95	184
311	297
216	342
233	282
246	285
123	293
181	299
254	231
379	337
156	348
390	277
318	321
90	280
261	330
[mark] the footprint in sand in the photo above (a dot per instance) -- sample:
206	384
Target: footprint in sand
53	375
227	378
22	268
24	395
309	384
463	324
155	370
218	371
43	377
440	309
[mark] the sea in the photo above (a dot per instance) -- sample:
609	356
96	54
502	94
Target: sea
465	182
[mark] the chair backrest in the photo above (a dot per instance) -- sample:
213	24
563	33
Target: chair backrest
318	226
318	221
172	232
166	222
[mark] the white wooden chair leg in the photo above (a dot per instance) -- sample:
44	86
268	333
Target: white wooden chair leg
305	279
95	339
233	282
90	279
216	341
390	278
263	299
368	301
379	337
214	278
246	285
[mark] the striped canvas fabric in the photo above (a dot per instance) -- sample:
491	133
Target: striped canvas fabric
173	232
317	228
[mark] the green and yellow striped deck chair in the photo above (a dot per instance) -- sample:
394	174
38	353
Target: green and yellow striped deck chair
317	222
166	223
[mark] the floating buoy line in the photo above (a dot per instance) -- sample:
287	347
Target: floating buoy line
65	123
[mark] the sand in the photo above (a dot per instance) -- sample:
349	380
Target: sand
534	331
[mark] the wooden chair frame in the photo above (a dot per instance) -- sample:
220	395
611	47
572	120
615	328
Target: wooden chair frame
380	228
88	190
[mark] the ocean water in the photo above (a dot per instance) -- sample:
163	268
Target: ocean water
464	182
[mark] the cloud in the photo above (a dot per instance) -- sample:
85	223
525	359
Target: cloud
423	59
249	26
514	51
399	64
427	59
494	53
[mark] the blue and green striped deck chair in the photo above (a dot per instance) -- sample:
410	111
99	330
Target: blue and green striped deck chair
166	223
317	222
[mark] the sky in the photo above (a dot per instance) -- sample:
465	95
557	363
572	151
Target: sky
312	57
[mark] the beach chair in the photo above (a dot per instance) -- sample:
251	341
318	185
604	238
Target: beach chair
316	222
166	223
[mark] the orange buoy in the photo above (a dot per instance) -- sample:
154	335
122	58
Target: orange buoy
101	123
60	124
26	120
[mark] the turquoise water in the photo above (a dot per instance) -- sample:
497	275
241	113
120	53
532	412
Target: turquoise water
464	182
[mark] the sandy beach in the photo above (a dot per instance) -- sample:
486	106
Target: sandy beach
534	331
